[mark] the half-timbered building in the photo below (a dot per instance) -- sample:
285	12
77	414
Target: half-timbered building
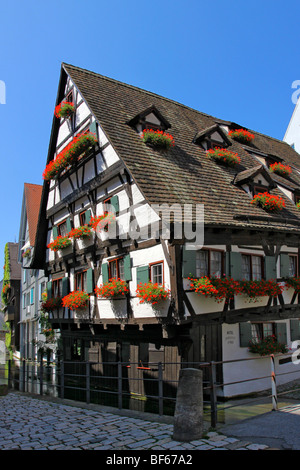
214	229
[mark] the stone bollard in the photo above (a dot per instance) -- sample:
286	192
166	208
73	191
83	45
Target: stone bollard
188	417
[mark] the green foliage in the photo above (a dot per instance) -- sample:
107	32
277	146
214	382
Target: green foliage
6	274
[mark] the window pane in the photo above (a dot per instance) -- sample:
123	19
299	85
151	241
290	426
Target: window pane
113	269
202	263
157	273
121	268
216	263
267	329
292	266
255	332
246	271
256	268
62	228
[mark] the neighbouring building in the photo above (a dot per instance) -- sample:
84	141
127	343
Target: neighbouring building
238	283
10	294
33	282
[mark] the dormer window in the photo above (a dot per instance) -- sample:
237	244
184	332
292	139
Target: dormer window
211	138
150	118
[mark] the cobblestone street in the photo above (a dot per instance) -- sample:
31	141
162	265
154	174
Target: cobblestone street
28	423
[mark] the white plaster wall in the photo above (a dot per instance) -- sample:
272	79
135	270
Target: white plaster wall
110	155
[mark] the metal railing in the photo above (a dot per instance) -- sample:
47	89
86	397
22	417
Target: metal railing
128	385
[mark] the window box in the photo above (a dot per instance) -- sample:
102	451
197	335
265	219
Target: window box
241	135
280	169
114	288
224	156
152	293
218	288
81	233
157	139
268	202
60	243
294	283
80	144
64	110
51	304
76	300
256	289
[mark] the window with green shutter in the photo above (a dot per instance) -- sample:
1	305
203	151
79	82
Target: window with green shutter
245	334
90	281
127	268
295	329
234	265
93	128
105	275
54	232
49	290
270	268
188	263
65	286
284	265
142	274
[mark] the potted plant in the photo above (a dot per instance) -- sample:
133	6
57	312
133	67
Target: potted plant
82	232
218	288
60	243
281	169
293	282
80	144
241	135
157	139
224	156
76	300
260	288
266	346
151	293
5	292
101	222
112	289
64	110
26	253
268	202
48	305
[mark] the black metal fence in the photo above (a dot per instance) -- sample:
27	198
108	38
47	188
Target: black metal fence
127	385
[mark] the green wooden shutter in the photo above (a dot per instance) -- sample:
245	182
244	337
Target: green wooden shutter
49	290
127	268
245	334
188	262
281	332
234	265
284	265
55	232
65	286
295	329
114	202
88	215
270	268
90	281
105	274
69	224
93	128
142	274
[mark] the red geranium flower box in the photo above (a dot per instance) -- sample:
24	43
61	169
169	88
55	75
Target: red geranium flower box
280	169
224	156
241	135
268	202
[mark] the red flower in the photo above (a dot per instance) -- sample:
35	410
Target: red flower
268	202
224	156
157	138
76	300
151	293
241	135
112	288
64	109
280	169
69	155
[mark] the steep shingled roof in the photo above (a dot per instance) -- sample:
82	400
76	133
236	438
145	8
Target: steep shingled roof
184	174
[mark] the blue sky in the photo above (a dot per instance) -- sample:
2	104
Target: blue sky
231	59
